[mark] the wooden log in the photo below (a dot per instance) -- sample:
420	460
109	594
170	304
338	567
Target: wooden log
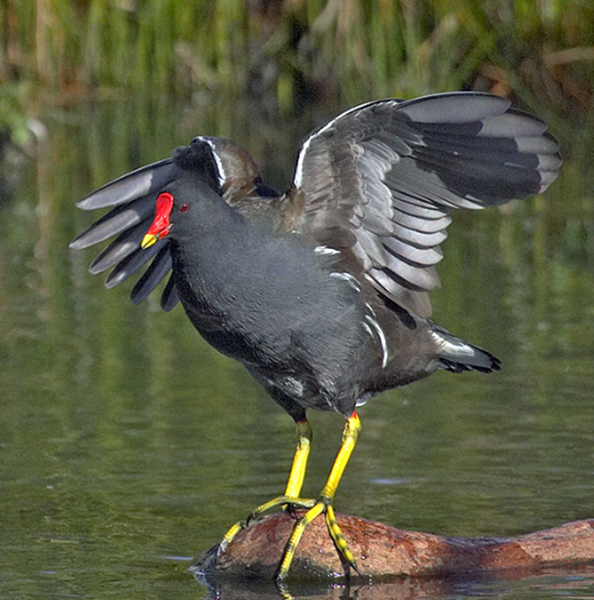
383	552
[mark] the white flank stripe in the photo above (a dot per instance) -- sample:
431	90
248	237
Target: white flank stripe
382	338
325	251
352	281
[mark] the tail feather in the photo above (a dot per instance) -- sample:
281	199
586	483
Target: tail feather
456	355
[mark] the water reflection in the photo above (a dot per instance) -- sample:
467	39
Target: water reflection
577	584
124	439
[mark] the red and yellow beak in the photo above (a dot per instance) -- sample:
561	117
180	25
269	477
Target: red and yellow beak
160	226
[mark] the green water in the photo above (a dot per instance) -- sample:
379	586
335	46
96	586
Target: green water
128	446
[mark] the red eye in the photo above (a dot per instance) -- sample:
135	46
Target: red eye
184	207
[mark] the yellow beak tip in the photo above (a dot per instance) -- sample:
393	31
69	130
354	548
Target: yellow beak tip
148	240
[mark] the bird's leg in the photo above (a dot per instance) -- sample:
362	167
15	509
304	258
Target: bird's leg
324	504
297	474
292	491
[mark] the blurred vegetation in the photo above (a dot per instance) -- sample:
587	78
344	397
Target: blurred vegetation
295	51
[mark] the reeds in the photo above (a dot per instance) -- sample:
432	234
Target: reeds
302	49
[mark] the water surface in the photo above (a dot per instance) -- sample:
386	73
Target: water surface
128	446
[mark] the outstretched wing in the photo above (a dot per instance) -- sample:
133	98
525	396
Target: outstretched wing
382	178
133	197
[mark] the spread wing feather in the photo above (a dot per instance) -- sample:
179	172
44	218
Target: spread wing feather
382	178
133	197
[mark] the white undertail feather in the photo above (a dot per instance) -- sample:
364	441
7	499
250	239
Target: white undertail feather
457	355
452	346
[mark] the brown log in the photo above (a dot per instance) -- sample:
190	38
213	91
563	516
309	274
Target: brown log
383	552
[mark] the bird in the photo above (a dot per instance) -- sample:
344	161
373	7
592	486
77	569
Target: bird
322	292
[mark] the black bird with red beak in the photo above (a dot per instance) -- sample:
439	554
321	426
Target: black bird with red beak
322	292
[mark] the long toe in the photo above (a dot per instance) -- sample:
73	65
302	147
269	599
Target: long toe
321	506
259	512
344	552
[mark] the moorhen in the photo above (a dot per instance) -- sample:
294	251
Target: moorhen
322	292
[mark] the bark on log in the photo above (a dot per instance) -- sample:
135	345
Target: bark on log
383	552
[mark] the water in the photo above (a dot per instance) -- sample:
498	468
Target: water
128	446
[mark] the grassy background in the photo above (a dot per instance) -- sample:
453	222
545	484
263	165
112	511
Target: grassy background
296	51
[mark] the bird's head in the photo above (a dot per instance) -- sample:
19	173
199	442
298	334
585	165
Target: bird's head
213	170
186	208
200	174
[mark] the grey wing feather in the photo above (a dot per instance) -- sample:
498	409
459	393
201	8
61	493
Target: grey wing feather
385	176
133	185
155	273
132	197
115	221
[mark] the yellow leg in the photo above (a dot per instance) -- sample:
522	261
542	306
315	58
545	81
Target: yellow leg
297	474
349	440
314	507
292	491
324	504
